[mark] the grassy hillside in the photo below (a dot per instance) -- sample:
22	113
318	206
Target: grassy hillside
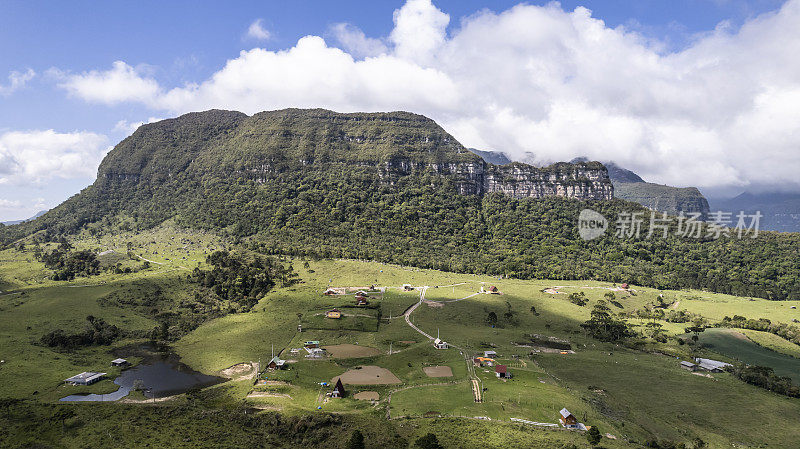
608	385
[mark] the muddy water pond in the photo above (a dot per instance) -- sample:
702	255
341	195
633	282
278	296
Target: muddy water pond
160	372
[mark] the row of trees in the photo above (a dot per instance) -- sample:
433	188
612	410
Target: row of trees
786	331
765	377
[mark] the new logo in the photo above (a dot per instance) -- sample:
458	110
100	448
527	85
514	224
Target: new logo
591	224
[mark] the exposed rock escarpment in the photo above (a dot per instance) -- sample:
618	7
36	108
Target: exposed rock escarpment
391	145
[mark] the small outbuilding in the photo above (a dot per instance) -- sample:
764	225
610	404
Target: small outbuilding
362	300
84	378
494	290
624	286
330	292
440	344
311	344
407	287
276	363
501	371
688	366
489	354
334	314
119	362
338	390
568	420
714	366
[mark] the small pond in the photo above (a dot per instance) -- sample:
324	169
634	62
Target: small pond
160	371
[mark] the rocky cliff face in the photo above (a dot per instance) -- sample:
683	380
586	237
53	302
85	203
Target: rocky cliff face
392	145
583	180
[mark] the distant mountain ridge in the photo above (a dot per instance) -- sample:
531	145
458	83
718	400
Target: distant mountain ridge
37	215
631	187
673	200
781	211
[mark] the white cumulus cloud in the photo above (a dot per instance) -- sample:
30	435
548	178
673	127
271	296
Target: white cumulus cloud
16	80
33	157
119	84
534	79
355	42
257	31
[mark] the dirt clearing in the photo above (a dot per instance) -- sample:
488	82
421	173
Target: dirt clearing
368	375
438	371
367	396
239	371
348	351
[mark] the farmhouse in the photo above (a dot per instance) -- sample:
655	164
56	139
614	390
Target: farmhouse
338	390
362	300
119	362
333	313
489	354
569	421
688	366
440	344
311	344
493	290
276	363
330	292
84	378
501	371
715	366
624	286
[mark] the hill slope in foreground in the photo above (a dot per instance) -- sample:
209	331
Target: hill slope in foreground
394	187
611	386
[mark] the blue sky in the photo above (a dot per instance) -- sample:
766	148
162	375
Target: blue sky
62	55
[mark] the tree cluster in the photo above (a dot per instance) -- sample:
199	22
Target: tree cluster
765	377
241	279
97	332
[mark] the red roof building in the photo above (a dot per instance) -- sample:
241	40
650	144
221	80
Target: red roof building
501	371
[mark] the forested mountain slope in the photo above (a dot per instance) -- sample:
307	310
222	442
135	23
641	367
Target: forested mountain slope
395	187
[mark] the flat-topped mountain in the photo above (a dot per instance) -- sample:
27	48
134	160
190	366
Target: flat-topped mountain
393	187
392	145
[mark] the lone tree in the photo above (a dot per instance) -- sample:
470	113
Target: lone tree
578	298
604	326
429	441
593	436
356	440
491	318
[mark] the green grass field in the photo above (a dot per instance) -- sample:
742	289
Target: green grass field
632	394
736	345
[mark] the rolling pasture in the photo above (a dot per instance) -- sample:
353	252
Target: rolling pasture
632	394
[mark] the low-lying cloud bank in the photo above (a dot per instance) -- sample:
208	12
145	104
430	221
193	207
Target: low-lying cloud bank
532	79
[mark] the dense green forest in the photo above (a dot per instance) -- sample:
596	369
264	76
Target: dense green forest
315	183
242	280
